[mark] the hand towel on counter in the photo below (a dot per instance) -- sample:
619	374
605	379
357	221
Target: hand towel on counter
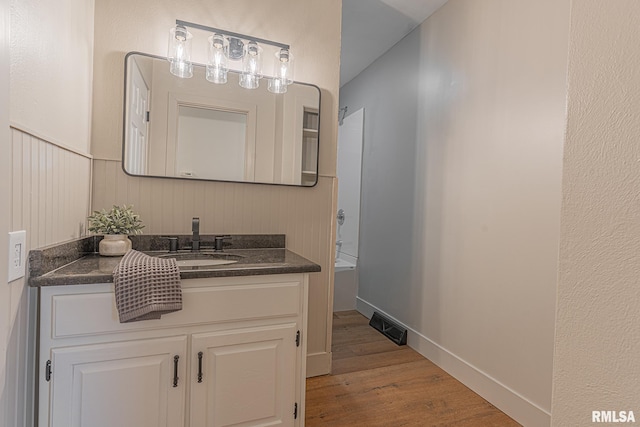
146	287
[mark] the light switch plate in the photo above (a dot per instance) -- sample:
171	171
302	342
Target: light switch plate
17	254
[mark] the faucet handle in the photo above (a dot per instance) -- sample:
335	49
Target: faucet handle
173	243
218	242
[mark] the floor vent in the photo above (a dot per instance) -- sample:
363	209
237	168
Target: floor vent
389	329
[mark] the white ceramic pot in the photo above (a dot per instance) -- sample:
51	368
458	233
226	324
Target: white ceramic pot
114	245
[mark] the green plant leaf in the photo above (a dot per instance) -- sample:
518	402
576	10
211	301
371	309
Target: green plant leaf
117	220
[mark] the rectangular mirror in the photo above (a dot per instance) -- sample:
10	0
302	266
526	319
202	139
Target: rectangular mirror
194	129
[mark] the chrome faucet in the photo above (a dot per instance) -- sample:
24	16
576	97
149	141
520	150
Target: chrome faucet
195	240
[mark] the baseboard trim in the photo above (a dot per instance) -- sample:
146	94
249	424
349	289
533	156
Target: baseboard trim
318	364
507	400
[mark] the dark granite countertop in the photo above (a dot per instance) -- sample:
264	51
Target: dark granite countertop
57	265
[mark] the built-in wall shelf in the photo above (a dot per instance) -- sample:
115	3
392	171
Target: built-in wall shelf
310	126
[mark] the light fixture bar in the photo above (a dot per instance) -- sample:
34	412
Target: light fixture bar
231	34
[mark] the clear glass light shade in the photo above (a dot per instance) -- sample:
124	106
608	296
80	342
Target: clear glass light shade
277	85
179	52
249	81
251	66
217	64
283	66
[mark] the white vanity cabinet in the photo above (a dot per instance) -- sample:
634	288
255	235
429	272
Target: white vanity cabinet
234	355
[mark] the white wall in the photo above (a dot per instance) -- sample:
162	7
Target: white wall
596	364
52	69
462	189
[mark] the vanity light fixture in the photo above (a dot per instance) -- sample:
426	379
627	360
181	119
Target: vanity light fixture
225	46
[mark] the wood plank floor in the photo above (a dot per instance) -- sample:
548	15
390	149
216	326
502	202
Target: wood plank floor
377	383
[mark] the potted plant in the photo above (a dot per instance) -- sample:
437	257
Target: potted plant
116	224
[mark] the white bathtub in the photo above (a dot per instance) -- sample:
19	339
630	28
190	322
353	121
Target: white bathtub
343	265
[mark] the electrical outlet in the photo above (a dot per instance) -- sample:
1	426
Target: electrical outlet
17	254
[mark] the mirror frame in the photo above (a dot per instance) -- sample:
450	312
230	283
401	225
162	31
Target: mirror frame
124	132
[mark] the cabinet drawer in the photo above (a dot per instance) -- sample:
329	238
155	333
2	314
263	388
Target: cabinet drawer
92	313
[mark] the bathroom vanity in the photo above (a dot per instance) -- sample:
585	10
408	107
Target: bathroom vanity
234	355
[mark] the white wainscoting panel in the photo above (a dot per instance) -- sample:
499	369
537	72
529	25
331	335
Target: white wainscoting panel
50	199
50	190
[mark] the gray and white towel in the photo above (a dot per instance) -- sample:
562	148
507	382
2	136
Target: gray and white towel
146	287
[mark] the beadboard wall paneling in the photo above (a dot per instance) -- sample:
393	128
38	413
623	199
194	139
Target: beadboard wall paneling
50	198
51	190
304	214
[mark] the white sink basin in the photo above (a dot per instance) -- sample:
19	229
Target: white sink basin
202	259
203	262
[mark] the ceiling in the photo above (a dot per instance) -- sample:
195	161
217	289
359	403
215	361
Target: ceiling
371	27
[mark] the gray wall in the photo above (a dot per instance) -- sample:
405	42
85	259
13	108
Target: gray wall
388	91
464	131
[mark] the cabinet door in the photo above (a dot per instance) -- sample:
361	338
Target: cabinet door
248	377
124	384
